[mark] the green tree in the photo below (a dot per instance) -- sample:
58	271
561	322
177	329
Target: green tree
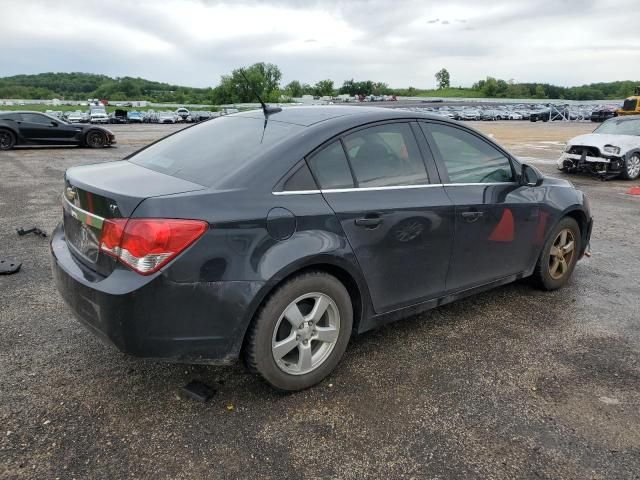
349	87
539	92
293	89
324	88
443	79
380	88
263	78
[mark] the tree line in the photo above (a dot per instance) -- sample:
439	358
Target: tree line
265	79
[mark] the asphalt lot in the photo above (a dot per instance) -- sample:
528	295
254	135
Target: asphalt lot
514	383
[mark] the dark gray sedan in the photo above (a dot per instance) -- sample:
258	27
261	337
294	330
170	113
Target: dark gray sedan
278	238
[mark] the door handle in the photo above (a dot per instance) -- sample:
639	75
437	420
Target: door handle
471	216
369	222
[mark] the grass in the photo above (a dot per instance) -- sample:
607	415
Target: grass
452	92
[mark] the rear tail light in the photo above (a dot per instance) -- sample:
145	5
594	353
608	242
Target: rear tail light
147	244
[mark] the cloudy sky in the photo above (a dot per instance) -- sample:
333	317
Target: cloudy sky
401	42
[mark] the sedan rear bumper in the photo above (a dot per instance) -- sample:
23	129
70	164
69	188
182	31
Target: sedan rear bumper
154	317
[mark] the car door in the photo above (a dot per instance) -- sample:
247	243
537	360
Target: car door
34	126
399	225
496	218
42	128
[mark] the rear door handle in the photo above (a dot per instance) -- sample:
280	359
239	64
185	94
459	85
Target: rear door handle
369	222
472	216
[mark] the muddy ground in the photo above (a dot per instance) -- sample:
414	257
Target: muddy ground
514	383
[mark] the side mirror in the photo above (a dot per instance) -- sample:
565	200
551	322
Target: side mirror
54	124
530	176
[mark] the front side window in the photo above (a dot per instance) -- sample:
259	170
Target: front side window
330	167
468	158
385	155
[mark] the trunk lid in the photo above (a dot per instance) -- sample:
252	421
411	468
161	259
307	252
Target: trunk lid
94	193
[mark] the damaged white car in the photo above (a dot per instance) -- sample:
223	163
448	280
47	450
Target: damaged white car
613	149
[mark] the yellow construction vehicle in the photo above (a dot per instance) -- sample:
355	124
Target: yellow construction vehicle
631	105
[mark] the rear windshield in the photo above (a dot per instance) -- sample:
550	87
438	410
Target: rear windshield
208	153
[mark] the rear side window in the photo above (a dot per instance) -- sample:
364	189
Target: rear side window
299	181
469	159
35	118
385	155
210	152
330	167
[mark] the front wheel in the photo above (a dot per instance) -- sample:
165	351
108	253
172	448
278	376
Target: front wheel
96	139
559	256
7	140
631	169
301	333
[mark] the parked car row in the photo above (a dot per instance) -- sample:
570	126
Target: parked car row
99	115
364	98
531	112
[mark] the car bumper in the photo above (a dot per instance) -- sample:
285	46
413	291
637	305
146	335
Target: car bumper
155	317
579	162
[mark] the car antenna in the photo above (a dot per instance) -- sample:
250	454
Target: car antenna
266	109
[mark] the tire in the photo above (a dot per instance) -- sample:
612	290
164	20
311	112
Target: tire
273	334
7	140
551	273
631	169
96	139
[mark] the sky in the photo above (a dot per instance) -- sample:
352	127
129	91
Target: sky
400	42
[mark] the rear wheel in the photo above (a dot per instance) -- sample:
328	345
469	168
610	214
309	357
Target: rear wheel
96	139
301	333
559	256
7	140
631	169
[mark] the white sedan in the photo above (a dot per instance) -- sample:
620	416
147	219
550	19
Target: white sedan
612	150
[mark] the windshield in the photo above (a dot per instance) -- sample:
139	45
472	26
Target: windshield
209	152
619	126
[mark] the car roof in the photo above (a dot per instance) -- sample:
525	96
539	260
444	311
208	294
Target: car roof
311	115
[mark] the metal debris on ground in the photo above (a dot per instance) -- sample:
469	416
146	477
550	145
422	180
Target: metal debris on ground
35	230
7	267
199	391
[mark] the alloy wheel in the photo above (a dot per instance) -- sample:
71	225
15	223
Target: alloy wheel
306	333
5	140
561	254
96	139
633	166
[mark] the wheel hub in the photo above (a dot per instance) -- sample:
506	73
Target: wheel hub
305	334
561	255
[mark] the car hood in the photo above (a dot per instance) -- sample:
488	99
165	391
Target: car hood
599	140
555	181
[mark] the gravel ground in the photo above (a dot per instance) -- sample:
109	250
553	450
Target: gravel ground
513	383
